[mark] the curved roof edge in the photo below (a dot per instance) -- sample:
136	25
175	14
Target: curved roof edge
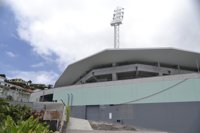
166	55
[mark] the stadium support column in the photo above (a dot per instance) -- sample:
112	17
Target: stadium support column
114	74
159	71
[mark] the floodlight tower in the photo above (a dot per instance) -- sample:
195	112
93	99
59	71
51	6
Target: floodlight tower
117	20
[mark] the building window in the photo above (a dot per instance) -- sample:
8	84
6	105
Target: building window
118	121
46	98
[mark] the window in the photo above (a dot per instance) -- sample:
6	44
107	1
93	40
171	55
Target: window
46	98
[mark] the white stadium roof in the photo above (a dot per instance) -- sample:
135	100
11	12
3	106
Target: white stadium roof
168	56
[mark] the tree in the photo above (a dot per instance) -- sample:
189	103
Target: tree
29	82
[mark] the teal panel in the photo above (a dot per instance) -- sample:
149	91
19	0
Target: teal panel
188	90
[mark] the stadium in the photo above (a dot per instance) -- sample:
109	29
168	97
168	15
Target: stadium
157	89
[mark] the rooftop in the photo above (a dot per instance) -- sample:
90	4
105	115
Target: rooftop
164	56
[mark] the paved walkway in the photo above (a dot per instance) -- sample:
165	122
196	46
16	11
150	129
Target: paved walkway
83	126
101	131
79	124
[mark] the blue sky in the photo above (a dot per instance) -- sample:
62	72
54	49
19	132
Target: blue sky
16	55
40	38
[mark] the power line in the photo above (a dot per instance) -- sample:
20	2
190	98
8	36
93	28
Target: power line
151	95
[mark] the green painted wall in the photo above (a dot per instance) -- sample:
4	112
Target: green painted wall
188	90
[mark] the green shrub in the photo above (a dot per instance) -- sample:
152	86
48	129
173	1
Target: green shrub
67	113
17	112
4	107
18	119
31	125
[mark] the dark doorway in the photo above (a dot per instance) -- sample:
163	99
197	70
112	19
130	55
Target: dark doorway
92	112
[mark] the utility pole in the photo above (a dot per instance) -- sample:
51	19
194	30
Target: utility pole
117	20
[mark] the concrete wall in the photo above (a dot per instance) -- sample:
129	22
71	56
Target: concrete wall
180	88
176	110
181	117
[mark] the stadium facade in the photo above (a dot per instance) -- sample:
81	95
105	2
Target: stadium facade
158	89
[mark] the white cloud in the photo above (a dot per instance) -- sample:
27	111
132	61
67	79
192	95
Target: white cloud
11	54
35	76
1	2
40	64
75	29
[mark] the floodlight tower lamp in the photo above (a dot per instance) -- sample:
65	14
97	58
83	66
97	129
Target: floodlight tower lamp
117	20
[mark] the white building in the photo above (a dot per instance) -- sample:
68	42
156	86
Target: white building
12	92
